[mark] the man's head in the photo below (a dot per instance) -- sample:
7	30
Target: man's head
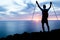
44	6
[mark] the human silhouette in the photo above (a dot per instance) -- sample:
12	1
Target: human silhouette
44	16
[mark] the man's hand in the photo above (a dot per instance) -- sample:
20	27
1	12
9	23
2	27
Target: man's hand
36	2
51	3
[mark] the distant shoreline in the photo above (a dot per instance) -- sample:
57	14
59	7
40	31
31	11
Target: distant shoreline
27	20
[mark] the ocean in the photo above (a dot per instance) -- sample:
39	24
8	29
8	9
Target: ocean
13	27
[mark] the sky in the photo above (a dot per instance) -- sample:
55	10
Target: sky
24	9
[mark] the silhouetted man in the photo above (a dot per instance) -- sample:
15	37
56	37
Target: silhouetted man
44	15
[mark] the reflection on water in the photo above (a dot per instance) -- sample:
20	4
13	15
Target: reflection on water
13	27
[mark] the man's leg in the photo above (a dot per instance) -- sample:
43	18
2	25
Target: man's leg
43	27
48	26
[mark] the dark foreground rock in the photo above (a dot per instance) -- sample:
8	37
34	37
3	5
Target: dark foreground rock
54	34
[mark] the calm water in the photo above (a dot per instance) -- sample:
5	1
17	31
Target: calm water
13	27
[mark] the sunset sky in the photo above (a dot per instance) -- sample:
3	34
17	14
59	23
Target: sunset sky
24	9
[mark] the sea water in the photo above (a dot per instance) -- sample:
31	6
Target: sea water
13	27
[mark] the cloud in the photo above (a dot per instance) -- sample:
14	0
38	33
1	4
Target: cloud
55	3
2	9
29	8
17	8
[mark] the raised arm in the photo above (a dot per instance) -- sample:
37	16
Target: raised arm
50	5
38	5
